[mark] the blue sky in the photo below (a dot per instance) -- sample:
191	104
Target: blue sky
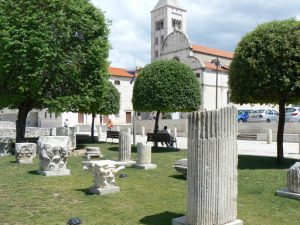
214	23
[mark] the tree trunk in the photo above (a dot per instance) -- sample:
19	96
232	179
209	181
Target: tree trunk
280	132
24	109
156	127
92	128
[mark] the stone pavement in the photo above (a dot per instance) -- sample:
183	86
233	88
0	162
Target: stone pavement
245	147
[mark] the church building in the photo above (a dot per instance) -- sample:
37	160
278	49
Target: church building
169	40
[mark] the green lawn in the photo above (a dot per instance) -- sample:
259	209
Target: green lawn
150	197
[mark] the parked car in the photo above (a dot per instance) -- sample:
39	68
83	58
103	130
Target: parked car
263	115
292	114
242	115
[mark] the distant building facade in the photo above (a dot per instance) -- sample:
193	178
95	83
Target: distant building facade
169	40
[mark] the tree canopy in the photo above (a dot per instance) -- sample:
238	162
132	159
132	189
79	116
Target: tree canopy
266	69
166	86
52	52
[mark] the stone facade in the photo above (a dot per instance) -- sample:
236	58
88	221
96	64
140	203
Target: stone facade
5	146
53	153
25	152
104	176
212	169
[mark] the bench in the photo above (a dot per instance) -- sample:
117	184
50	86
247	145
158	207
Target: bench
112	134
161	137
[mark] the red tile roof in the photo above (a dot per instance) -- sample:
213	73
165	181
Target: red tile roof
212	66
212	51
119	72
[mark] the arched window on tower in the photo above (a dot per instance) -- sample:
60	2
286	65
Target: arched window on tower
176	24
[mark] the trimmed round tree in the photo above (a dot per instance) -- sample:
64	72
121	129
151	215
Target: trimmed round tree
52	53
266	69
166	86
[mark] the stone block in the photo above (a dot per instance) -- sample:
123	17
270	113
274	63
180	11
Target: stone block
293	178
53	154
70	132
5	146
25	152
287	194
93	152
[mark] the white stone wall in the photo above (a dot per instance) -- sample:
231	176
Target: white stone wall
125	89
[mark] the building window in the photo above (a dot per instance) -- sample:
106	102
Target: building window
117	82
156	40
50	115
176	59
159	24
156	54
176	24
198	75
45	115
162	39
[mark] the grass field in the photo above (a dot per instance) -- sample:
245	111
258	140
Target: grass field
151	197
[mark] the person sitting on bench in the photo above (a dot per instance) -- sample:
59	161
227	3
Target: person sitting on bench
167	131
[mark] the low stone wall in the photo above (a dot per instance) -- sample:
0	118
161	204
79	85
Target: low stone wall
7	125
180	124
262	127
294	138
31	132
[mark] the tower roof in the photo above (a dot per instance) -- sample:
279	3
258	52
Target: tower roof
162	3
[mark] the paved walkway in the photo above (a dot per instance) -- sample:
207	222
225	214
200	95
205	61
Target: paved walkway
261	148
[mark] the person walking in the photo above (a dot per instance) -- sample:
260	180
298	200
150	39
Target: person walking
109	124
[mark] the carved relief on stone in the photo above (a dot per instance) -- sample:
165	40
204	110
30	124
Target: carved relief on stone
5	145
25	152
53	157
103	172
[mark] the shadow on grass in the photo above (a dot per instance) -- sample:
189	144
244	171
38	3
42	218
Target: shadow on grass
34	172
85	191
161	218
262	162
154	150
178	176
13	161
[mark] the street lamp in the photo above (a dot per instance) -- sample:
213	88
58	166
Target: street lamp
217	63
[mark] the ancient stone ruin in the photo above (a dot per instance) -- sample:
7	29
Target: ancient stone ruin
104	176
144	157
212	169
125	149
5	146
25	152
293	183
53	153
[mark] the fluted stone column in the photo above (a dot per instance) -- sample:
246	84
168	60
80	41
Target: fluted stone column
212	169
125	148
25	152
293	183
144	157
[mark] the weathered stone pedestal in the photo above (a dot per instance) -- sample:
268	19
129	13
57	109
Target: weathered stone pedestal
5	146
71	133
181	167
25	152
53	154
104	176
144	157
212	169
293	183
93	152
125	149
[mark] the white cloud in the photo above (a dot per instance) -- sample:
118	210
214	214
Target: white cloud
216	23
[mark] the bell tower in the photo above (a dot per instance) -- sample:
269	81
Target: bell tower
166	16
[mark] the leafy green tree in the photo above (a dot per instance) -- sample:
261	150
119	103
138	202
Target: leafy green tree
266	69
166	86
52	52
105	103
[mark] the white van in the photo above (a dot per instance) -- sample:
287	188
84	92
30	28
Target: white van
263	115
